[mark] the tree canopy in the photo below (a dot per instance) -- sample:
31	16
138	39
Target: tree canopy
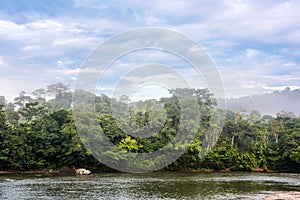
38	134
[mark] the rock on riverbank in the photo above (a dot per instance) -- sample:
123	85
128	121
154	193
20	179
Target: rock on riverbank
83	171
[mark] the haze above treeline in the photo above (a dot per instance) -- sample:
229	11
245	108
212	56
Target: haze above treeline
287	100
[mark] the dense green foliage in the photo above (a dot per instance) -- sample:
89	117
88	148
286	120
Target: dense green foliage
39	134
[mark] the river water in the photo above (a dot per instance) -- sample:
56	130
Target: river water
160	185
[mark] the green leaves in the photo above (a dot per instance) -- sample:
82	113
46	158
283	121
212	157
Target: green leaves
37	136
129	144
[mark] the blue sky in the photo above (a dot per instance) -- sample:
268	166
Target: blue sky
254	44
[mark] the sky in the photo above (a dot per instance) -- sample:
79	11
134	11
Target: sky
255	45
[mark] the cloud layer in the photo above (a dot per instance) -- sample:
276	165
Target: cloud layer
255	44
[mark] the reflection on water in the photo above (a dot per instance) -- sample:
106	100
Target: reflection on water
148	186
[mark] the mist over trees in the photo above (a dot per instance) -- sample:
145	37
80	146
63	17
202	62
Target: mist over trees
37	131
286	100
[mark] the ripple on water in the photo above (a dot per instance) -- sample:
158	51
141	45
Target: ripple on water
148	186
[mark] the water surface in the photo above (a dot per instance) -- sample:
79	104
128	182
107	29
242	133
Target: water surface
158	185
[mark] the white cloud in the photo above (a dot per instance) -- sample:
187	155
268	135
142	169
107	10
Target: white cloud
47	25
279	88
89	4
62	71
55	34
235	33
32	48
252	53
264	21
252	72
2	63
15	80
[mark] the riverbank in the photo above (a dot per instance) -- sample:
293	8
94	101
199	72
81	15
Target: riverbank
229	170
71	171
42	172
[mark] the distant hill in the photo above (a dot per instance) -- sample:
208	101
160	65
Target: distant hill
272	103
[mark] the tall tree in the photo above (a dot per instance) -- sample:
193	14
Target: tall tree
62	94
39	94
22	99
2	100
58	90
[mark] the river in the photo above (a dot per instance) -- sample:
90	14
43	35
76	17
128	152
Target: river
160	185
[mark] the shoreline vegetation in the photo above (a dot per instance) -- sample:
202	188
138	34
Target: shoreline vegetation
72	171
38	134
